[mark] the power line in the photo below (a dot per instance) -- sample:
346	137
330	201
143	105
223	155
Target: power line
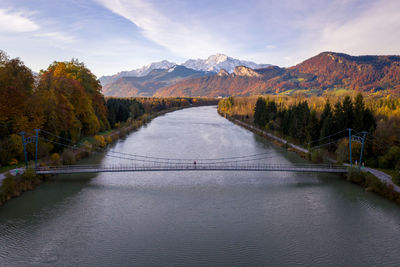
327	137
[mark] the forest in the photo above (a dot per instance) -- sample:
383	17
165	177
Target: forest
320	124
66	100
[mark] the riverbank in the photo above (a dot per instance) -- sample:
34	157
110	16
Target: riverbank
370	179
14	183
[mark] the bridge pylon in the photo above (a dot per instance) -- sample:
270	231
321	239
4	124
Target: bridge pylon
360	139
27	140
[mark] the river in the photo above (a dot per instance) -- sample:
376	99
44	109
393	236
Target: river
199	218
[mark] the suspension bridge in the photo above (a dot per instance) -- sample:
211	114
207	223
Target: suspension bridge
141	163
192	167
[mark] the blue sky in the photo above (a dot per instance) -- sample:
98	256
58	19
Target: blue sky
114	35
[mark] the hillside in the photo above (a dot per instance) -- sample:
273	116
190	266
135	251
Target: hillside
325	71
243	81
147	85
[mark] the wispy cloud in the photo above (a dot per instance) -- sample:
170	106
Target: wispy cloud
183	37
375	31
56	36
16	22
115	35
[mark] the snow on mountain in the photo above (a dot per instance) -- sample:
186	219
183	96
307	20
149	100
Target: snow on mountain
217	62
143	71
213	63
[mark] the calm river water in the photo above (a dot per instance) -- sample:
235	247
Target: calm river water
199	218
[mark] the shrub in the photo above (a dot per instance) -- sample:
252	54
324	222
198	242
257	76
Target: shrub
356	176
55	159
13	162
99	141
396	178
87	147
316	156
68	157
30	175
8	186
391	159
108	139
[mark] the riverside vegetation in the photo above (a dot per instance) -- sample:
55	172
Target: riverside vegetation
65	100
310	121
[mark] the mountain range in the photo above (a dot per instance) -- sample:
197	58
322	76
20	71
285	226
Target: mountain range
220	75
213	63
148	84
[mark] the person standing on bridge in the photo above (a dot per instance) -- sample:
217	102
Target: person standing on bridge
194	163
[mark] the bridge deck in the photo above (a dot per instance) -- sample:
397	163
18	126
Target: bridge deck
191	167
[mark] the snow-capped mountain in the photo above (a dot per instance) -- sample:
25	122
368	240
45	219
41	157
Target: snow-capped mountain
213	63
217	62
147	85
143	71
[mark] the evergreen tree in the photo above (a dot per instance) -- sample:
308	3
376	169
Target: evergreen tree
348	113
359	111
313	127
260	112
271	110
326	121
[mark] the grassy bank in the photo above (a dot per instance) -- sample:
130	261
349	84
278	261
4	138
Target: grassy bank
372	184
14	186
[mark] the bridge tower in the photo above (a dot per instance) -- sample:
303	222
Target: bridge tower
27	140
360	139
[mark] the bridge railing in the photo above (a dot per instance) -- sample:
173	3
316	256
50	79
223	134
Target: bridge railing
191	166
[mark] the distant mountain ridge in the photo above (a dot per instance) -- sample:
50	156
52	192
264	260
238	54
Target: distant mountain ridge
143	71
148	85
213	63
328	70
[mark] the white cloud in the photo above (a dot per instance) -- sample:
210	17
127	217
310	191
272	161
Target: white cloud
56	36
16	22
376	31
183	38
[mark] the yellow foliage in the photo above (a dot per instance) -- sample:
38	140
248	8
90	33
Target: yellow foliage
100	141
13	162
108	139
55	158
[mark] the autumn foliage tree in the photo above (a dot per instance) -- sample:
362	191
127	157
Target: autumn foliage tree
65	100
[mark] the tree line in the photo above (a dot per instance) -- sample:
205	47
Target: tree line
307	121
301	123
65	100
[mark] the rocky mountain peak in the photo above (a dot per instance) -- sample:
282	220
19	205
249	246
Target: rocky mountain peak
223	72
217	62
245	71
